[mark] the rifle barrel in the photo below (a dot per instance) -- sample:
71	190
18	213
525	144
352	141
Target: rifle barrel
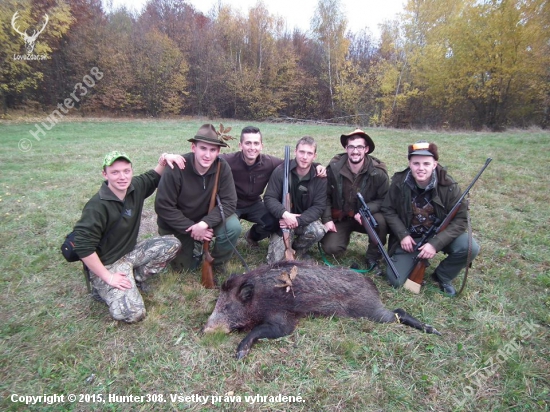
364	211
440	225
289	252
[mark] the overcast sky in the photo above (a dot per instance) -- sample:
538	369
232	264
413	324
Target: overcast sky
298	13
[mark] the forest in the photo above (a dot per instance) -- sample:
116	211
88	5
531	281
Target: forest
444	64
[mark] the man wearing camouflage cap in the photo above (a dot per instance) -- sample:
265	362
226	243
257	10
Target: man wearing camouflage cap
183	200
106	236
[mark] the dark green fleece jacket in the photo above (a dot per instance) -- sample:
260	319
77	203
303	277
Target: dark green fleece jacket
183	196
103	211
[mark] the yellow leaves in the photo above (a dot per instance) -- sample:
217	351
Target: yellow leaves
287	278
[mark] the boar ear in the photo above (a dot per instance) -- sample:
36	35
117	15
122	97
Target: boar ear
246	292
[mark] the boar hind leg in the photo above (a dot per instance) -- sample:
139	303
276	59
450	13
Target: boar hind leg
264	331
403	317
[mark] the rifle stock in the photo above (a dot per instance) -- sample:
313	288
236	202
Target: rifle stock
416	276
207	278
289	252
369	223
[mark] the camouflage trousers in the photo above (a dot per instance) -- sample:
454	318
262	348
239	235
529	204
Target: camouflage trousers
309	236
148	258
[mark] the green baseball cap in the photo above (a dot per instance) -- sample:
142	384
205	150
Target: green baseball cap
111	157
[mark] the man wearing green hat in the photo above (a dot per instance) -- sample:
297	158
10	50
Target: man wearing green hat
183	203
106	236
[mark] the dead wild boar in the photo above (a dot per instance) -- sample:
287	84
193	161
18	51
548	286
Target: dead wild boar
270	300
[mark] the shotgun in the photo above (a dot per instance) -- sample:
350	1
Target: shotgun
416	275
207	279
370	223
289	252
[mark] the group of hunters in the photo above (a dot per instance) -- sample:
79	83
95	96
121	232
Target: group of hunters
324	209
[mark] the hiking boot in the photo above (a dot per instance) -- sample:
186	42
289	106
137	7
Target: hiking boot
251	242
220	269
95	295
302	254
373	265
447	288
144	287
220	273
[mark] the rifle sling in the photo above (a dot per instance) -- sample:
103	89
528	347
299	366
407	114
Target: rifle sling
215	189
213	197
469	259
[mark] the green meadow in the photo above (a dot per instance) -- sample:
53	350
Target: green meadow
493	355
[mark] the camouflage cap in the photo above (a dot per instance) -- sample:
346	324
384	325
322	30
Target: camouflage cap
111	157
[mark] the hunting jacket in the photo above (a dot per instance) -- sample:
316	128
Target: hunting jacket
250	181
102	216
183	196
372	182
397	209
314	201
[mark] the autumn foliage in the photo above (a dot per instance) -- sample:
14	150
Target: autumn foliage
444	63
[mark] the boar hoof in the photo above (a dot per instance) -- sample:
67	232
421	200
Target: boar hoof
242	353
431	329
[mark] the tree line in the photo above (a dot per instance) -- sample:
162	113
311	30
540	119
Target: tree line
444	63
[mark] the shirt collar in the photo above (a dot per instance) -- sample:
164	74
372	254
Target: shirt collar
105	193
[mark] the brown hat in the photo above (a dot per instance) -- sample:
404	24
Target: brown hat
207	134
423	148
359	133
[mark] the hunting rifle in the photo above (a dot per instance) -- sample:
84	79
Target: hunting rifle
370	223
289	252
207	279
416	276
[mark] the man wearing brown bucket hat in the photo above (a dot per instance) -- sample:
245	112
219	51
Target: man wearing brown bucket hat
355	171
418	197
183	199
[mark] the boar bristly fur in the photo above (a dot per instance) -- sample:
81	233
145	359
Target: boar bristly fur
261	302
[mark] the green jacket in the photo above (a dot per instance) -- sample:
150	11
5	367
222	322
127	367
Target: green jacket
397	209
372	182
102	212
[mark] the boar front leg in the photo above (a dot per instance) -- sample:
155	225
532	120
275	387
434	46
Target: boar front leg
268	330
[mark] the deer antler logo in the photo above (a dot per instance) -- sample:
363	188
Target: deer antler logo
29	40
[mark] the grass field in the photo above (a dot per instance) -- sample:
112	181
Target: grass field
54	339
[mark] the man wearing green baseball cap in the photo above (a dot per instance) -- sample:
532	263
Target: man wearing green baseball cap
106	236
